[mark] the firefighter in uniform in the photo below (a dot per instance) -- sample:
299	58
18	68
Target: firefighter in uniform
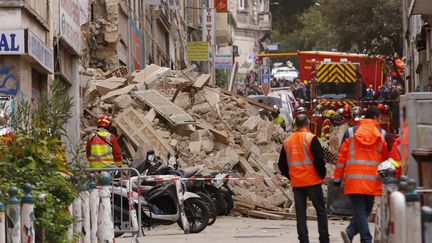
363	148
386	119
317	119
395	156
327	126
302	162
102	146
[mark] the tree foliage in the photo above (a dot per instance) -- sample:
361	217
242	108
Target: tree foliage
36	156
374	26
285	14
365	26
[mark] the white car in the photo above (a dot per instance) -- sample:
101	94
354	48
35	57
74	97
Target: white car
286	73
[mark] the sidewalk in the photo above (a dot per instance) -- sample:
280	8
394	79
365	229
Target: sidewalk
241	230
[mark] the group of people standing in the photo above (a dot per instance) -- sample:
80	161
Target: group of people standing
364	146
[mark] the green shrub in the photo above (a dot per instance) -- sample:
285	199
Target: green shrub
36	156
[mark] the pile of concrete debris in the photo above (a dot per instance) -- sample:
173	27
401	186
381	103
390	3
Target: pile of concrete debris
177	113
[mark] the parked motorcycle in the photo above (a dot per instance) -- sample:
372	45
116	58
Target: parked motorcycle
161	204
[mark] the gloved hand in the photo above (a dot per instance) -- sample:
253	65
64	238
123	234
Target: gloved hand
337	183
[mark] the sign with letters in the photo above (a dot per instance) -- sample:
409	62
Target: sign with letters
70	28
12	42
40	52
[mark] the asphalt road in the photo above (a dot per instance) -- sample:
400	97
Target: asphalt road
241	230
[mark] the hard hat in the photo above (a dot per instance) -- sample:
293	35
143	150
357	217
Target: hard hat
305	82
4	118
301	110
319	108
346	111
330	114
339	111
387	108
356	112
347	106
386	168
381	107
104	121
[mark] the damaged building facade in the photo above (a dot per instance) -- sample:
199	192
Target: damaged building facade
40	42
253	26
417	17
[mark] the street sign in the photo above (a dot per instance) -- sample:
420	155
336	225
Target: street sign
197	51
265	75
265	87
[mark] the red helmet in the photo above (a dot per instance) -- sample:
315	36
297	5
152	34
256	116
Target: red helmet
381	107
104	121
346	111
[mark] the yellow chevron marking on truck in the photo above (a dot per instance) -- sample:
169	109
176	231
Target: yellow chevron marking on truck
336	72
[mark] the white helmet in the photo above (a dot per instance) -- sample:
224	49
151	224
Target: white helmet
386	169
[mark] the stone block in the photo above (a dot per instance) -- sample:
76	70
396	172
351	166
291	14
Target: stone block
195	147
264	133
203	134
226	159
251	124
202	108
278	199
151	115
123	101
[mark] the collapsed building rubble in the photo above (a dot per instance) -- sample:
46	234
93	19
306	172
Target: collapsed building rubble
176	113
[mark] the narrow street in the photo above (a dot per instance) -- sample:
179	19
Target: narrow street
242	230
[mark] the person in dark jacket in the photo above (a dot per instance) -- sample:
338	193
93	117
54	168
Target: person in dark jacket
301	160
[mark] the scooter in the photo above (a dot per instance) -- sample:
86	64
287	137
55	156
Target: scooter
161	204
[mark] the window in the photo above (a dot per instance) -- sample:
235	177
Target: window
242	4
336	90
38	86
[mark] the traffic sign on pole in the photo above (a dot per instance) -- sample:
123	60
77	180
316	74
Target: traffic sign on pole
265	88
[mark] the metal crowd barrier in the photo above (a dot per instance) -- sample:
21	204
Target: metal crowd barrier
124	196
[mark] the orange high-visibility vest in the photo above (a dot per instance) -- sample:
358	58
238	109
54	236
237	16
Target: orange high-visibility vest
358	162
300	160
101	153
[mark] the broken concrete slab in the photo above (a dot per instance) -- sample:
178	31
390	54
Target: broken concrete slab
202	134
164	134
151	115
109	85
163	106
91	94
202	80
265	132
117	92
195	147
219	136
251	124
226	159
202	108
150	75
278	199
123	101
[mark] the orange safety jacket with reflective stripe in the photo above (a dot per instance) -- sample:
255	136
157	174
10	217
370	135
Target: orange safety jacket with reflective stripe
362	150
102	149
302	171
